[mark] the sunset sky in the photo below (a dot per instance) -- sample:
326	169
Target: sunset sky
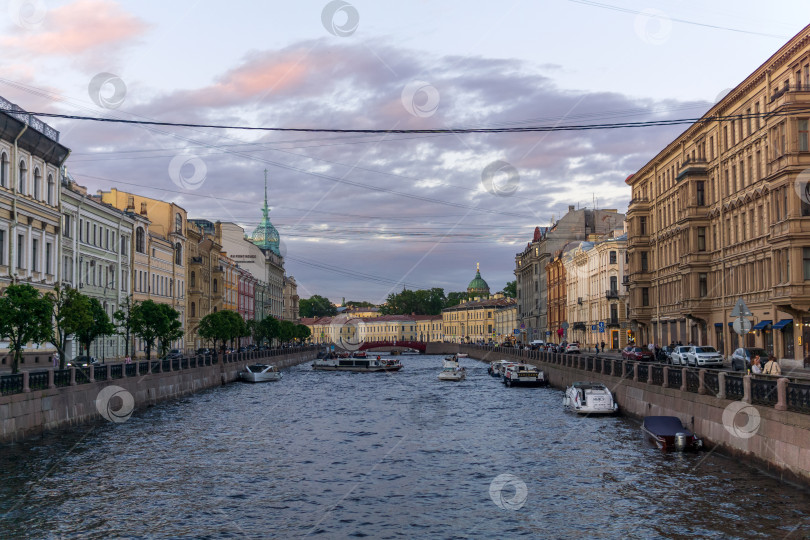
363	215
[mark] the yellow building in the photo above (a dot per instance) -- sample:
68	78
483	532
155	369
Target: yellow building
473	322
230	283
506	322
722	213
428	328
204	293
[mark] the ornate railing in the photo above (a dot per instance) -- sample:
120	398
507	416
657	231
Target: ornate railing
798	397
629	370
711	380
100	373
11	384
23	116
643	372
658	375
692	381
675	378
131	369
763	391
116	371
734	387
61	377
37	380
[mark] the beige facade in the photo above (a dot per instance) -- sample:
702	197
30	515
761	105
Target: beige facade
290	299
506	323
474	321
723	213
204	281
428	328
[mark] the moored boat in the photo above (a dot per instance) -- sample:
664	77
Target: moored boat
462	355
451	371
589	398
496	368
356	364
523	375
260	373
668	433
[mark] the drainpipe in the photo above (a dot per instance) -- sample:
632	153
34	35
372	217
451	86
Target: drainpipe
58	195
12	241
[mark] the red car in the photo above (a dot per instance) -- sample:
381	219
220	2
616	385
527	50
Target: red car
638	354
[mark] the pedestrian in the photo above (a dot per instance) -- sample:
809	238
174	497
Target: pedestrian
55	359
756	367
603	346
127	360
772	367
651	347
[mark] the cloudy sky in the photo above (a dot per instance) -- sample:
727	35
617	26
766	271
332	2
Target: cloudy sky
361	215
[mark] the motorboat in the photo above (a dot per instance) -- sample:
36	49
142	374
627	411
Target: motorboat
410	351
523	375
589	398
260	373
668	433
356	364
462	355
496	368
451	371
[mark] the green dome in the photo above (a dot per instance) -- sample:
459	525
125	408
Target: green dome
478	286
265	236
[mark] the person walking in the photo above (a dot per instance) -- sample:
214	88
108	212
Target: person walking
603	345
756	366
772	367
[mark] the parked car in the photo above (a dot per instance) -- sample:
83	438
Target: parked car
678	356
204	351
638	354
741	358
703	356
572	348
174	353
242	349
82	361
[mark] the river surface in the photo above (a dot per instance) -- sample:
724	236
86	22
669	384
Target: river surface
378	455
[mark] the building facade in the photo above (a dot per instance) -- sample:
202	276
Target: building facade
723	213
473	321
204	294
506	323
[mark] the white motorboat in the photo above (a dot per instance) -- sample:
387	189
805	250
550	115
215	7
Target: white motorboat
523	375
451	371
260	373
360	365
497	367
462	355
589	398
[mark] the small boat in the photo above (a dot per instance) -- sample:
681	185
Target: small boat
359	354
395	352
451	371
410	351
360	365
589	398
668	433
462	355
496	368
260	373
523	375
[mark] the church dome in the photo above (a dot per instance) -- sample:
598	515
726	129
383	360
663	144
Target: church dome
478	287
265	236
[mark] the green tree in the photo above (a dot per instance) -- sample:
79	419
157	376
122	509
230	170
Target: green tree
455	298
353	303
302	332
270	328
153	322
26	316
418	302
223	326
316	306
510	291
122	318
286	331
71	313
96	325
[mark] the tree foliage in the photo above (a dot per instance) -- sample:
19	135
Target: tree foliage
71	314
122	318
302	332
418	302
153	322
510	290
316	306
223	326
286	331
96	325
25	317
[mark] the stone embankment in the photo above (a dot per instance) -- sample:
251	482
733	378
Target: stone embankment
33	402
763	419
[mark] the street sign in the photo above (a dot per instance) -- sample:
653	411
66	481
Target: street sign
564	325
548	332
522	326
740	309
593	328
517	332
601	326
742	325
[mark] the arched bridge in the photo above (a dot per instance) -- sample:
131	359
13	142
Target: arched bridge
418	345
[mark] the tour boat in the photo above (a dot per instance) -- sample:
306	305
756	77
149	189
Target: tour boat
356	364
260	373
523	375
410	351
668	433
496	368
451	370
589	398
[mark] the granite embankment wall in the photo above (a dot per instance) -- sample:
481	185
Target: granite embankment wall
765	420
73	396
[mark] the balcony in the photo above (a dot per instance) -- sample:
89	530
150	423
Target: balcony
693	167
196	260
612	294
626	280
613	322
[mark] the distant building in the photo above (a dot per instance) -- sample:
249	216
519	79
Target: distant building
473	321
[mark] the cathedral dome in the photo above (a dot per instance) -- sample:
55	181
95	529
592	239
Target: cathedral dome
478	287
265	236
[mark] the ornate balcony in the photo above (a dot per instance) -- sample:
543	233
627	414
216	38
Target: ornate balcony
612	294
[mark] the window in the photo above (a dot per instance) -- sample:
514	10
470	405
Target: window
612	257
803	142
178	254
644	263
614	284
178	223
703	285
701	192
193	310
20	254
193	280
50	189
37	182
123	245
48	258
215	285
701	238
87	232
645	296
94	235
3	246
642	225
140	245
3	170
23	170
756	114
66	226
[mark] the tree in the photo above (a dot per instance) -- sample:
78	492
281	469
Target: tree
286	331
270	328
510	291
353	303
155	322
96	325
455	298
419	302
223	326
26	316
123	320
316	306
71	312
302	332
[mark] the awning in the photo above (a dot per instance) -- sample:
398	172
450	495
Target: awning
718	325
783	323
761	325
731	324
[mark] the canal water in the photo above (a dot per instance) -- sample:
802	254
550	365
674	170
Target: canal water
380	455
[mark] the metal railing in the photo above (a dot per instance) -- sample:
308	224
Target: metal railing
711	381
11	384
798	397
734	387
675	378
692	380
61	377
763	391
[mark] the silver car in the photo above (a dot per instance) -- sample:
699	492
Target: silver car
678	356
703	356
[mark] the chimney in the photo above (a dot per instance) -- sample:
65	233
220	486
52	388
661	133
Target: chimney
570	207
143	208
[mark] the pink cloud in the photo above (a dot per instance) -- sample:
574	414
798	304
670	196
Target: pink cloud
79	28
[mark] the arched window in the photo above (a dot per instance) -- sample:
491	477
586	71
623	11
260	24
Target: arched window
178	223
37	182
215	285
193	310
140	244
178	254
50	189
3	170
23	171
193	279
